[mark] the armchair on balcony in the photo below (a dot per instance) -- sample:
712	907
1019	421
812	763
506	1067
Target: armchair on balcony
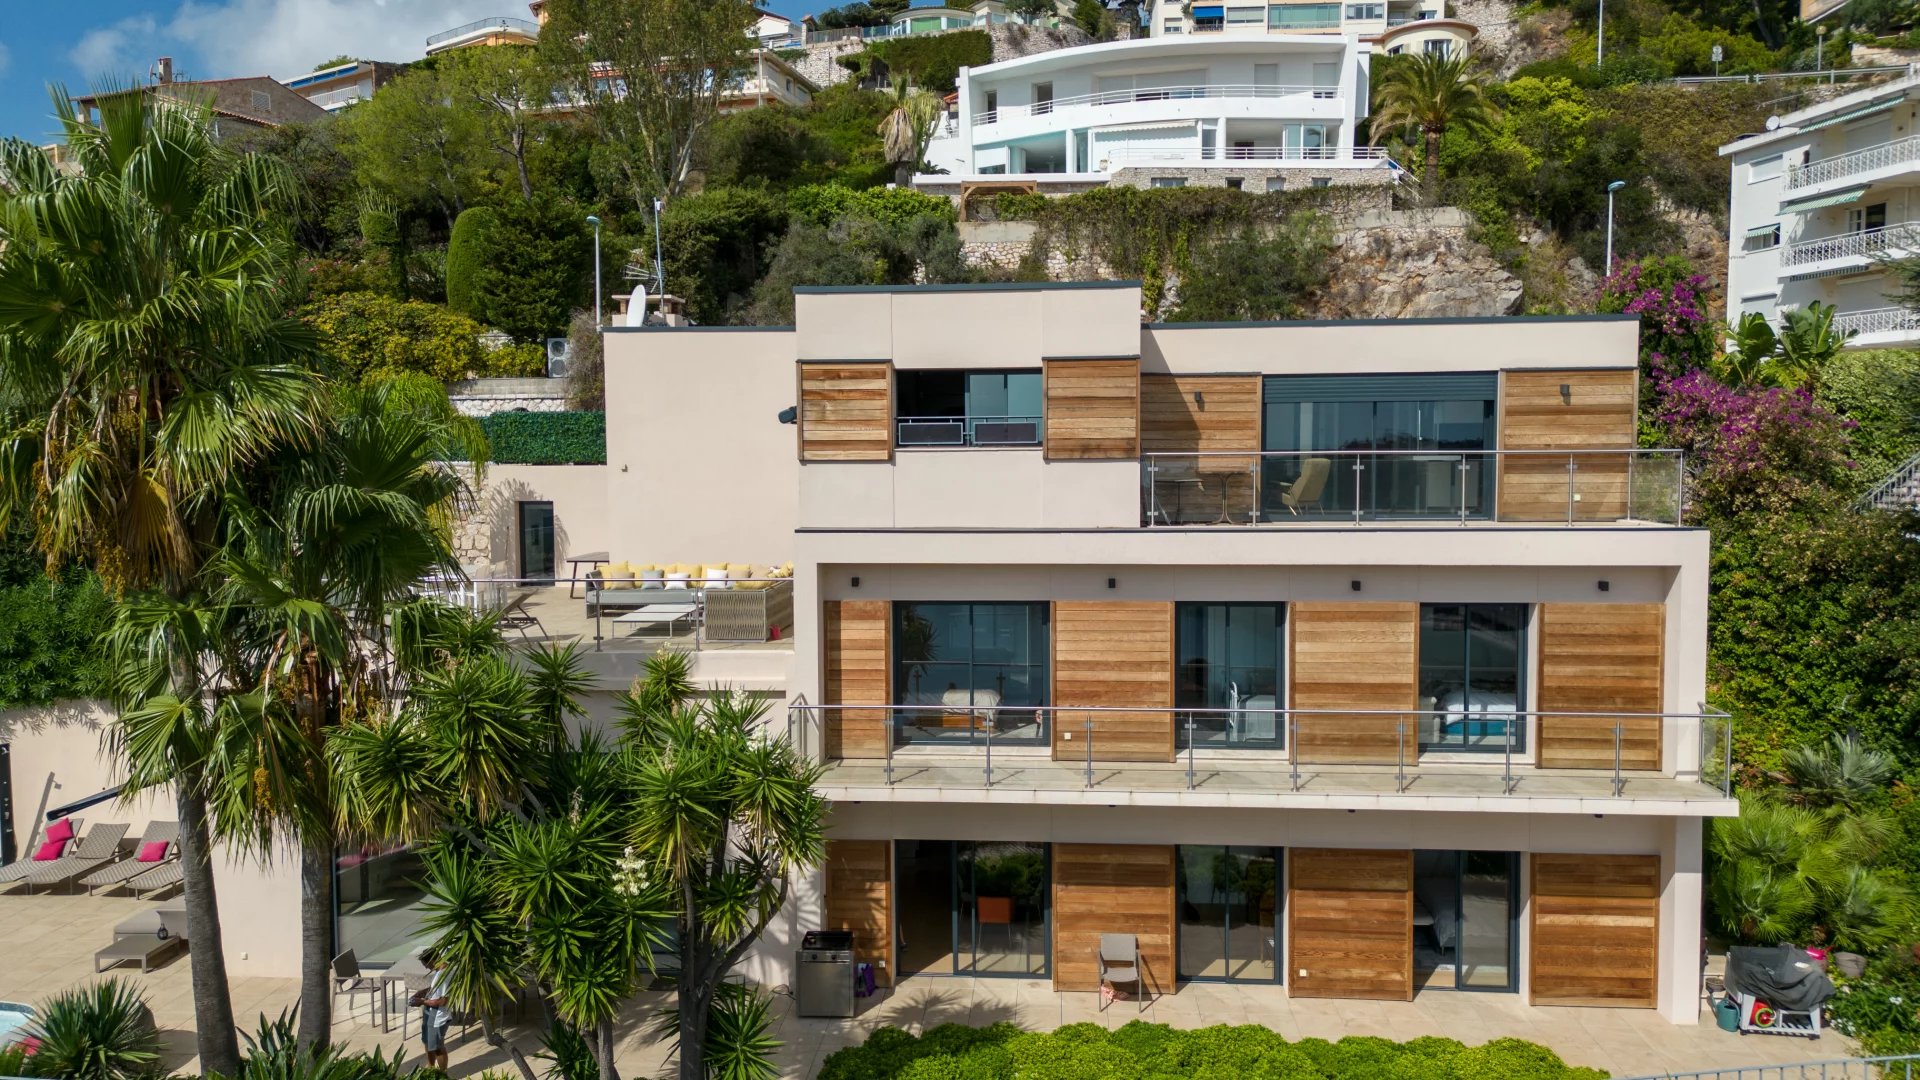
1305	491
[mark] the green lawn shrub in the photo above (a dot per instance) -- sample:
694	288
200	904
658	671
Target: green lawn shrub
1143	1051
547	438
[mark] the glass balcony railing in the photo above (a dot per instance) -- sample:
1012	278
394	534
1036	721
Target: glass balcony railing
1367	486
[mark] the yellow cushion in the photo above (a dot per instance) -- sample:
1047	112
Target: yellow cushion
753	583
740	569
619	575
682	568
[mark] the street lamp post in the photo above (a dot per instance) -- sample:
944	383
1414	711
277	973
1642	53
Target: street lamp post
595	222
1600	37
659	269
1819	50
1611	188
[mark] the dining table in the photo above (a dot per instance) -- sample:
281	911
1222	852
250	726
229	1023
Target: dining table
411	975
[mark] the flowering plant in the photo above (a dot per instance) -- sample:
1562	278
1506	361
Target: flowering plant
1675	333
1753	449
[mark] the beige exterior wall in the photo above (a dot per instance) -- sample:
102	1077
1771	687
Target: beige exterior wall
700	469
978	328
1393	345
489	536
968	488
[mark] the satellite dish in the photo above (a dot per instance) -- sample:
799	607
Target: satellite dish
637	307
1773	123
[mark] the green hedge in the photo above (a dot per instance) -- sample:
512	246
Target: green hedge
49	628
929	61
547	438
1142	1051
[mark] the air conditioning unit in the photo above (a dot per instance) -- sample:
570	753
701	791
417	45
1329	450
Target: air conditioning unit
557	356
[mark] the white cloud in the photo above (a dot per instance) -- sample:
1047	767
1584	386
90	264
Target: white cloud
212	39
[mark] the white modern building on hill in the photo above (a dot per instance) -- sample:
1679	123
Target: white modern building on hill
1391	26
1263	113
1818	201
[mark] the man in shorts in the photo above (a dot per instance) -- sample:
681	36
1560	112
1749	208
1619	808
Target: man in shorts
435	1016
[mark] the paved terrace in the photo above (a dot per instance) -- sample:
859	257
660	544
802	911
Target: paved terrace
49	941
756	665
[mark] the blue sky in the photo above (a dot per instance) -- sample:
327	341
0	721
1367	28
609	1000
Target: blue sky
45	41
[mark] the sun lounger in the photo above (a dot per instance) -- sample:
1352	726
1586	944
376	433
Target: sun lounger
144	937
160	878
96	850
117	874
22	866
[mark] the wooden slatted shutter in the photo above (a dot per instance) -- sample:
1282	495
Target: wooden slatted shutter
1092	409
1605	658
860	898
1599	411
1350	924
1112	889
854	636
1113	653
1596	930
1356	656
846	412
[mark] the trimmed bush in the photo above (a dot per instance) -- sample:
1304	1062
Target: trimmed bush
1158	1052
547	438
363	334
466	253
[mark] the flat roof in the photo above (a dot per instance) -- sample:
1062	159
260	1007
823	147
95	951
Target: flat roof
986	286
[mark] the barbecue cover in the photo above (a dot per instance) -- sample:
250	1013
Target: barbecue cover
1782	976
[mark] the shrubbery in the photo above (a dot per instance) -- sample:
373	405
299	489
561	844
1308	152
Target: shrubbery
1143	1051
364	334
48	628
547	438
929	61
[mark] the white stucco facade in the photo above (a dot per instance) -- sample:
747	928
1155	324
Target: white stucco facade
1817	201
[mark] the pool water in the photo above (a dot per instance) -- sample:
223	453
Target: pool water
13	1021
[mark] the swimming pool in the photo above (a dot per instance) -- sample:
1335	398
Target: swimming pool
14	1019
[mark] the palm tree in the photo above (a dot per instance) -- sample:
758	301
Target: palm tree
147	357
1431	93
909	127
1807	341
315	563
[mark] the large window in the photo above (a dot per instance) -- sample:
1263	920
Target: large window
1472	677
377	902
960	667
1465	907
1228	904
1229	667
1303	16
1324	434
971	908
968	408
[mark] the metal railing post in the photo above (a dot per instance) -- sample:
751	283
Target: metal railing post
1506	778
1463	489
1153	490
1400	754
1619	784
1253	491
596	628
1630	456
1357	469
889	741
989	726
1089	726
1189	751
1293	749
1726	741
1569	489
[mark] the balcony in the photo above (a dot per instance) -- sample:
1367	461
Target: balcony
1854	163
1898	323
1361	156
1481	753
957	431
1863	244
340	98
1158	93
480	27
1359	487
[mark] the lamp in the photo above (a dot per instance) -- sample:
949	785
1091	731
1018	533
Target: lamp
1611	188
595	222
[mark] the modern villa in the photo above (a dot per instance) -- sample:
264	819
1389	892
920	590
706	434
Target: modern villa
1819	200
1392	27
1364	659
1261	113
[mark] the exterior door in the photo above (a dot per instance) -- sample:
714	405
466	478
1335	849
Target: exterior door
536	542
1350	920
1042	98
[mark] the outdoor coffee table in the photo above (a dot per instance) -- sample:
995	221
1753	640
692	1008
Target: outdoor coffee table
658	615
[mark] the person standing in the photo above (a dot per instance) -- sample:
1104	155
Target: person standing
435	1016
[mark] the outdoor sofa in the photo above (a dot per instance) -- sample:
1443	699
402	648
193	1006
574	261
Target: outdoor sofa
741	602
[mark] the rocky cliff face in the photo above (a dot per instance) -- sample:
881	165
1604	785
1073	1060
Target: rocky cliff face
1395	267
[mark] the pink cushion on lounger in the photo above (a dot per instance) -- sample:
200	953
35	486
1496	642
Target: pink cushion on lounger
153	852
50	851
61	830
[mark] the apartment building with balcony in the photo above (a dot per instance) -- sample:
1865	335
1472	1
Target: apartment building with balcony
1364	658
339	85
1392	26
1819	200
502	30
1262	113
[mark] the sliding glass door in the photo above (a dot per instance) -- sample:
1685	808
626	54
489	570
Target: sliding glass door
1226	900
1473	677
971	907
1228	663
1465	907
960	666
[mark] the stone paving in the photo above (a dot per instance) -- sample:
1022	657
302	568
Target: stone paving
48	941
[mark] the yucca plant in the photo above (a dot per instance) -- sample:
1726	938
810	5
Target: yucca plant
275	1053
100	1032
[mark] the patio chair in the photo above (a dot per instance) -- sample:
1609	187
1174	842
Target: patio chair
515	615
348	980
159	879
117	874
144	937
1119	965
1305	491
96	849
24	865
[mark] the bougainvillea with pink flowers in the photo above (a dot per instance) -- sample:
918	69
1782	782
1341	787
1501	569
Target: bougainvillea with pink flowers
1675	333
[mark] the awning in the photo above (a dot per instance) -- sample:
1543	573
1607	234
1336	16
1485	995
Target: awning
1763	230
1838	198
1214	12
1855	114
